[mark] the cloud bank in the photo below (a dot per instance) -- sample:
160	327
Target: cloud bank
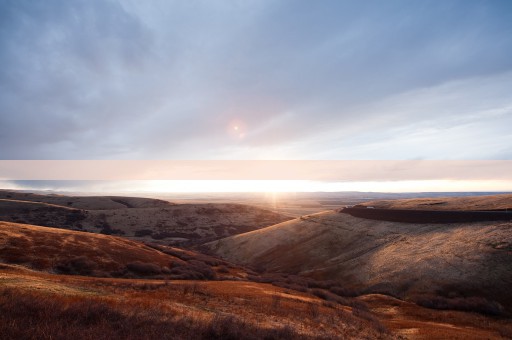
90	79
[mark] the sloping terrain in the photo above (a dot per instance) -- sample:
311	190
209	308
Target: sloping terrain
86	202
36	306
36	302
428	216
71	252
38	213
488	202
142	219
413	261
197	223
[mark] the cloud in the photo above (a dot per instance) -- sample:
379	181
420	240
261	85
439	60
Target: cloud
330	79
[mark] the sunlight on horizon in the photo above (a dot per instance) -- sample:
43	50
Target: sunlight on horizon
276	186
262	186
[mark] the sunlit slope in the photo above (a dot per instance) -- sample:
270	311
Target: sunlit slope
491	202
400	259
50	248
78	253
33	292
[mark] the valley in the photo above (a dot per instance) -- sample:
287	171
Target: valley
324	275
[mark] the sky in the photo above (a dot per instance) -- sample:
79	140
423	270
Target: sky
258	80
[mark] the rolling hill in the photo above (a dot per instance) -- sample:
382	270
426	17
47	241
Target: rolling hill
80	280
144	219
71	252
37	300
486	202
428	263
50	276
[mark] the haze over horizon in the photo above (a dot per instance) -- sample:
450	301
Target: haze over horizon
258	80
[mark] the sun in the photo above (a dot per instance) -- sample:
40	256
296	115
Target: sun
237	129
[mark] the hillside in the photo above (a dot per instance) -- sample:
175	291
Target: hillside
419	262
86	202
71	252
37	301
33	259
148	220
488	202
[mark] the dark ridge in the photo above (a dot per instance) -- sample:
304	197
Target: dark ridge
427	216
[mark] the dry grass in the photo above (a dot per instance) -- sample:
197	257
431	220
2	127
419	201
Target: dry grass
404	260
412	321
52	306
61	307
79	253
463	267
492	202
86	202
144	219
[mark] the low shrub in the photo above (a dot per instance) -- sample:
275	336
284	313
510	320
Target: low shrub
80	265
192	270
328	296
143	232
223	269
341	291
144	269
468	304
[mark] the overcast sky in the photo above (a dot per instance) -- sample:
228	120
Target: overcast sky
256	79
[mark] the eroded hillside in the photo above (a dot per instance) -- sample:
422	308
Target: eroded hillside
144	219
219	303
36	300
412	261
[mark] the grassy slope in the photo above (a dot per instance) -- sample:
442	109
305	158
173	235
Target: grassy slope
37	303
45	248
405	260
86	202
72	252
491	202
138	218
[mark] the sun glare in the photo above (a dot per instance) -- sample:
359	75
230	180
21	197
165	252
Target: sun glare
273	187
237	129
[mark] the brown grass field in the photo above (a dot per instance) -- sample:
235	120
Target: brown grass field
143	219
38	305
491	202
459	265
63	306
357	279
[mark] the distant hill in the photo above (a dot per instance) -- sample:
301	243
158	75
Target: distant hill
74	284
413	261
144	219
86	202
487	202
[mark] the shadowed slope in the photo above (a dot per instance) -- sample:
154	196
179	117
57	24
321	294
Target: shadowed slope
400	259
142	219
87	202
38	304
